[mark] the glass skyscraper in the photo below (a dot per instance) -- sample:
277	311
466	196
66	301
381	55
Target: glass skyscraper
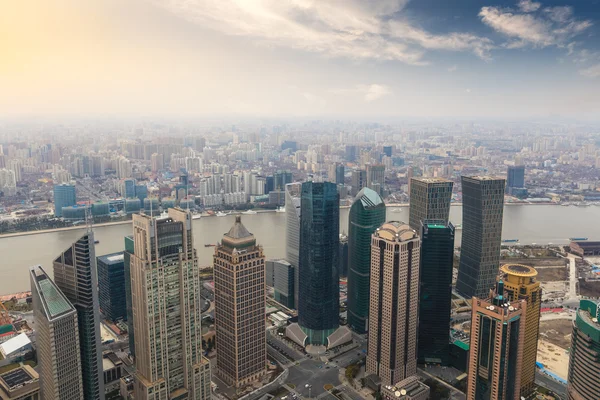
292	231
483	207
64	196
435	295
366	215
318	306
76	276
111	286
584	364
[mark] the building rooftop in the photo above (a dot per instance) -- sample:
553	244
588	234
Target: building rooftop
238	230
519	270
114	258
54	301
369	198
396	231
431	180
18	377
238	236
14	344
485	178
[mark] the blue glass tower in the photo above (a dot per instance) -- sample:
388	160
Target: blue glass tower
318	308
111	286
366	215
64	196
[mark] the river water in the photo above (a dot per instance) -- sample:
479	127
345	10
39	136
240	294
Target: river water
541	224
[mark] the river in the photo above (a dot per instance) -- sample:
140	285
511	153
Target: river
541	224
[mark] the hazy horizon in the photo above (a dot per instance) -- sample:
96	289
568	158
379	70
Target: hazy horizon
331	59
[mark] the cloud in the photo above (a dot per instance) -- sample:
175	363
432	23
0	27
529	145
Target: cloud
529	6
591	72
373	92
452	68
554	26
369	93
355	29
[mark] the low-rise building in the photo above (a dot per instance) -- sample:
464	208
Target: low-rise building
20	384
407	389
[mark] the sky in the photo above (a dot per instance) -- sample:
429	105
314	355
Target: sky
370	59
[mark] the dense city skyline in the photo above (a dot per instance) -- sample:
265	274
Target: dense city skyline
358	59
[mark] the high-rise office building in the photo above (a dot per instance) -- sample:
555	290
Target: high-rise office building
127	254
387	151
340	172
584	364
165	294
520	284
280	275
239	275
376	177
351	152
111	286
57	339
318	299
515	177
496	347
76	275
366	215
281	178
292	231
435	297
429	199
64	196
483	207
394	318
359	180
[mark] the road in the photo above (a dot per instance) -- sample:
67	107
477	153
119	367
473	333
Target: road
572	276
549	383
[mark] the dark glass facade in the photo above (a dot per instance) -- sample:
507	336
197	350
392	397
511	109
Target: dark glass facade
483	208
129	246
111	286
366	215
318	307
584	364
435	295
76	275
339	174
515	177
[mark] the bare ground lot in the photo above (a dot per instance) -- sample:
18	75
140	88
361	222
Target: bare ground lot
551	274
557	332
589	289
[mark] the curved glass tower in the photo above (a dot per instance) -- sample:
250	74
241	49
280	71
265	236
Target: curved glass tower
366	215
319	294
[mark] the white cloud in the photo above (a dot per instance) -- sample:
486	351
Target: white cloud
591	72
529	6
555	26
356	29
452	68
369	93
374	91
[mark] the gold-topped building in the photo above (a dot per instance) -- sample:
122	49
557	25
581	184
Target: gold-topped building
520	284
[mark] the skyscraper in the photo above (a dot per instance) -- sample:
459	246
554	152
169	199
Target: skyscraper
376	177
429	199
515	177
127	254
280	275
497	339
239	274
76	276
318	299
584	364
165	293
64	196
111	286
435	297
483	207
292	231
339	174
394	319
359	180
520	284
57	339
366	215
